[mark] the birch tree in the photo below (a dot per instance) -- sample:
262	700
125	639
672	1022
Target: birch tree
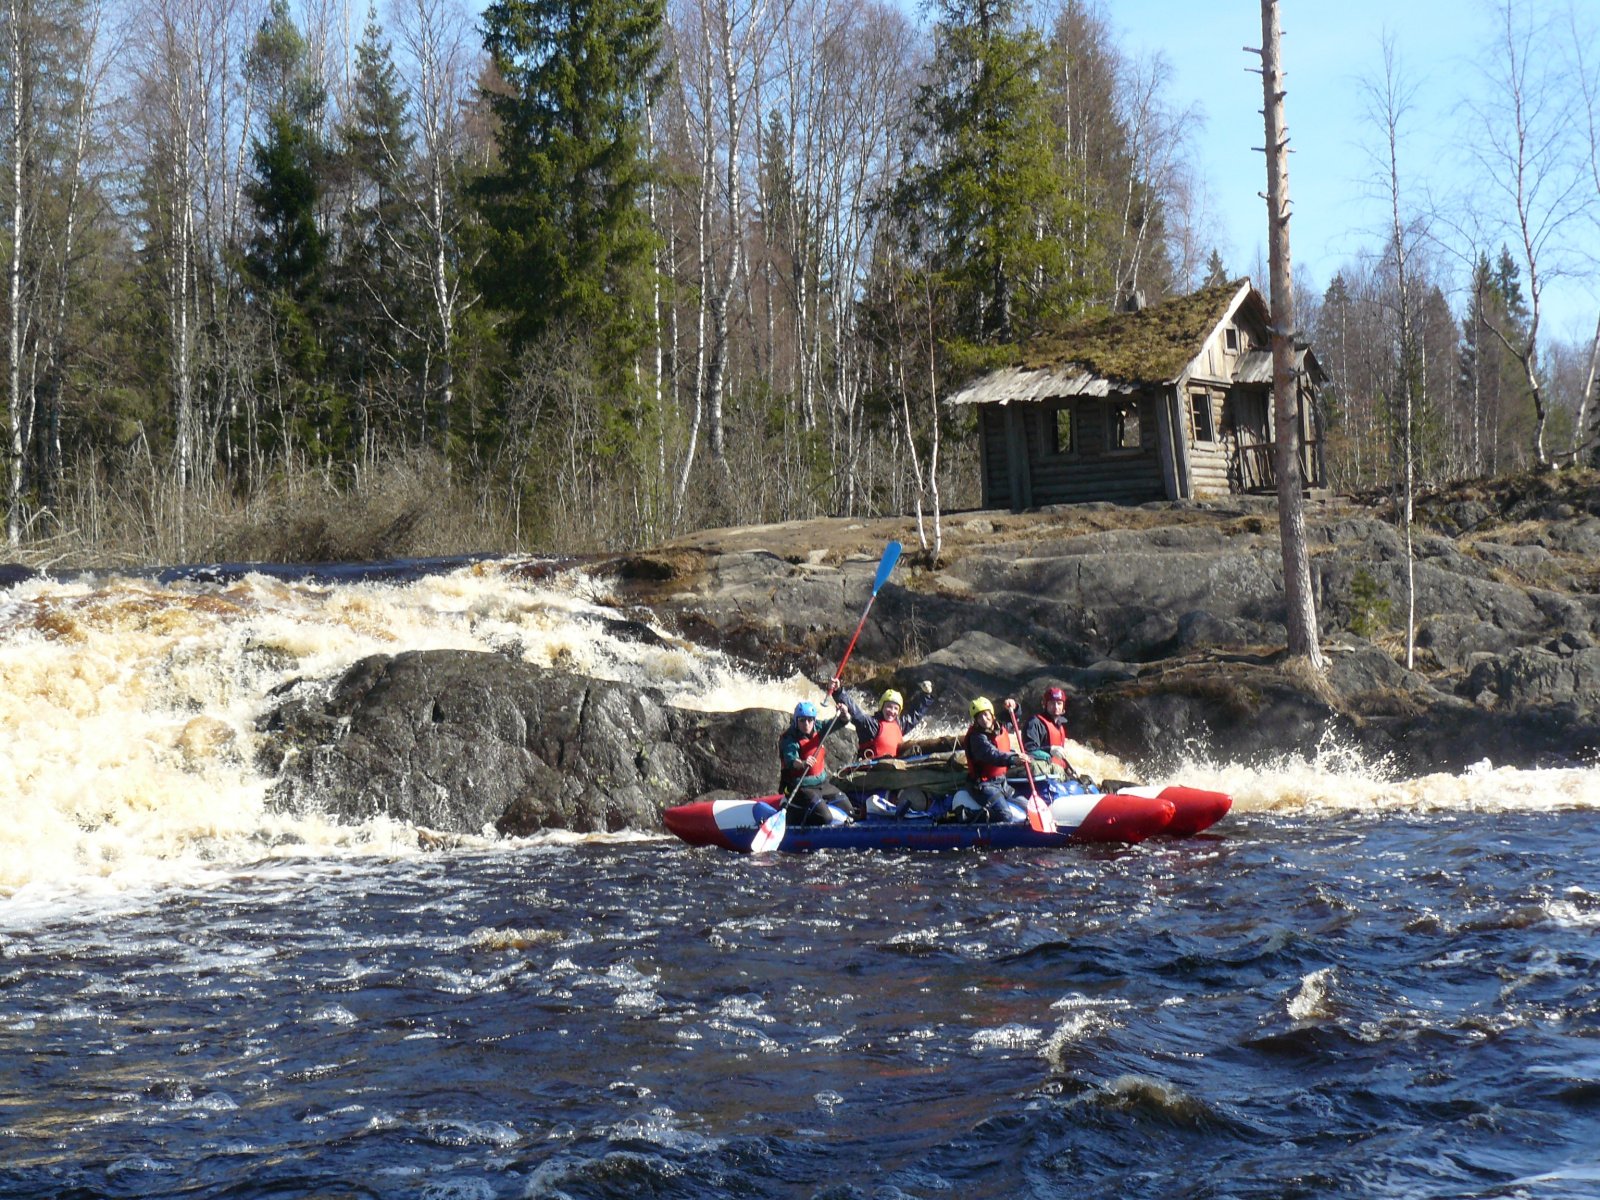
433	34
21	48
1523	146
1586	70
87	59
50	74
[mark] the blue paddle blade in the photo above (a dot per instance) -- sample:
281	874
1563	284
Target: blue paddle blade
891	555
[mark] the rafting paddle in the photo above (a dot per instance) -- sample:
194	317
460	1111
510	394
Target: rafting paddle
771	831
1040	818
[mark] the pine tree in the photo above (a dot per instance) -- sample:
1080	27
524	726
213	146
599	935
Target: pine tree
569	244
991	205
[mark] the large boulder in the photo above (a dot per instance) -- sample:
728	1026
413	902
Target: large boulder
465	742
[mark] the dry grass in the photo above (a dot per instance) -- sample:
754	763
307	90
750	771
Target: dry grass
407	507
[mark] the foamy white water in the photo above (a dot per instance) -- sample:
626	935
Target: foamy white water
127	707
127	711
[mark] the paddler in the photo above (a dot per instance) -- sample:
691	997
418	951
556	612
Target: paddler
803	766
879	734
990	755
1045	735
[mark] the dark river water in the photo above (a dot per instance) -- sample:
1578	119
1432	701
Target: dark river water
1394	1005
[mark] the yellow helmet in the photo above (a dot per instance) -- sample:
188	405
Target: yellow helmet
891	697
981	705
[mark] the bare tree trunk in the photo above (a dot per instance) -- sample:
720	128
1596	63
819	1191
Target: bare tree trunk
17	145
933	406
90	68
1301	615
659	265
1580	435
1477	399
435	34
1589	88
1529	161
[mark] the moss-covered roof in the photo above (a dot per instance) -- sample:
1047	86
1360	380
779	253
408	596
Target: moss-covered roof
1152	345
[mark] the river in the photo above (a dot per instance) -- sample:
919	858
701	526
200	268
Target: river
1355	985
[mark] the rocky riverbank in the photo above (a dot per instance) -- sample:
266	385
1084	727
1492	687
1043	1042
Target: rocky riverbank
1164	622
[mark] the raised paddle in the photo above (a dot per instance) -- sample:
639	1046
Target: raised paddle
1040	818
771	831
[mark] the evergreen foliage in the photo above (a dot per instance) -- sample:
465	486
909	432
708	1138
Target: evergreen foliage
568	242
284	256
1216	273
376	303
991	205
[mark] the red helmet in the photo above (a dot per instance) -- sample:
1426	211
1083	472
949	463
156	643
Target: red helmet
1056	693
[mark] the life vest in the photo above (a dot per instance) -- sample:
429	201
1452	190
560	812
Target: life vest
887	743
1002	743
811	748
1055	730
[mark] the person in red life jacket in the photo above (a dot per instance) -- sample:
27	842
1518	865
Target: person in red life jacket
1045	735
879	734
803	766
990	755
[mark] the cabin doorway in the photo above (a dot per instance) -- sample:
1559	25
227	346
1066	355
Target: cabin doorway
1251	408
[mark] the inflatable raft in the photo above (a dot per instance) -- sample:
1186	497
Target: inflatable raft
919	814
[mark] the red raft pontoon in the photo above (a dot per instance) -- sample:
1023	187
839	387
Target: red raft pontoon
1130	814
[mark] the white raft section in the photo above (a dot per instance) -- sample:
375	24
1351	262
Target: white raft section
127	714
736	814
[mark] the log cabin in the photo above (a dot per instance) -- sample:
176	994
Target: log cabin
1169	402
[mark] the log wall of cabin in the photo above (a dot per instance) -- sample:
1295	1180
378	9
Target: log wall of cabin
1090	471
992	447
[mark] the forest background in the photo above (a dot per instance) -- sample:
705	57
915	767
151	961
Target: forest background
315	282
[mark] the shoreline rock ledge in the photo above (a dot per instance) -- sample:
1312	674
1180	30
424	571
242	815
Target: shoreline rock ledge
1164	622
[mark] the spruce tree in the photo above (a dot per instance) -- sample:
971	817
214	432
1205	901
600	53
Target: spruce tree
373	302
569	243
1216	273
992	204
285	253
284	256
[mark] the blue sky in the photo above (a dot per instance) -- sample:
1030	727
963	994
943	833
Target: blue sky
1328	47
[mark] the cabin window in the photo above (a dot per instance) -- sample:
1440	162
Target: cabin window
1230	339
1122	425
1202	426
1063	430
